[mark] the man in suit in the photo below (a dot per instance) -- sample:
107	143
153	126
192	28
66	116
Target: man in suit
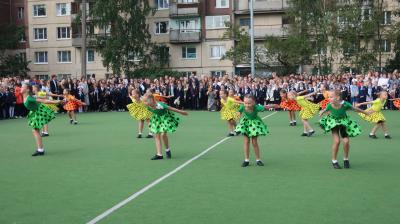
172	93
261	94
363	95
188	99
344	90
202	96
194	92
193	79
96	99
180	95
3	103
53	85
123	96
375	90
115	98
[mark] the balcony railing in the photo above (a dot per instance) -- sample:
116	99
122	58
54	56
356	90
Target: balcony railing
260	31
184	8
243	6
185	36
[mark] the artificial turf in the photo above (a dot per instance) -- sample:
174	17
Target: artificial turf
90	167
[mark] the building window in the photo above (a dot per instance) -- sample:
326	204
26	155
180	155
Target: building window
245	22
41	57
187	26
187	74
386	18
161	27
39	11
162	55
383	46
63	33
366	15
188	52
40	77
133	56
62	9
23	39
217	51
90	56
161	4
40	34
222	3
90	76
22	56
64	57
216	22
21	13
64	76
218	73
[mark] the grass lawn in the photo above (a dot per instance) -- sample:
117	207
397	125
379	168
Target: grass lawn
90	167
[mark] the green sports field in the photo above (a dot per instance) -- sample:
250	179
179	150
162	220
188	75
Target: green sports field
90	167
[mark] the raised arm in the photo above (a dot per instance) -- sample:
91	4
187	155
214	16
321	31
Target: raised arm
365	103
177	111
367	112
304	91
271	106
322	112
238	101
48	101
395	99
53	95
311	94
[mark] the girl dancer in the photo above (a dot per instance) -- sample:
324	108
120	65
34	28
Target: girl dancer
233	95
376	115
229	111
251	126
291	106
325	92
338	122
72	105
52	107
139	111
162	122
38	116
308	110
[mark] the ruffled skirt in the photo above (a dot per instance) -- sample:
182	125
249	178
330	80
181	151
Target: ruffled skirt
330	122
40	117
73	105
323	103
138	112
53	107
229	113
166	123
396	103
251	128
309	110
374	118
290	106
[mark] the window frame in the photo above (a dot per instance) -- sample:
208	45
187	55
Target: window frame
44	33
158	27
59	58
221	7
158	4
61	76
221	73
186	52
37	11
68	10
385	18
87	57
213	23
45	56
23	56
21	13
40	77
219	50
68	33
136	56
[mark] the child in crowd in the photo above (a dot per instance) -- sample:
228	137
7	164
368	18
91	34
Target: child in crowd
354	93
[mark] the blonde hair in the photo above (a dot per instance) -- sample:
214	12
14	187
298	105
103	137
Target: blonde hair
136	91
149	96
380	93
293	92
337	92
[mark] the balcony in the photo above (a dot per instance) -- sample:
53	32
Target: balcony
260	31
184	36
243	6
178	8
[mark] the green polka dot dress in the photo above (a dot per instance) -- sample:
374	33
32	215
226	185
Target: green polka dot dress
39	114
251	124
163	120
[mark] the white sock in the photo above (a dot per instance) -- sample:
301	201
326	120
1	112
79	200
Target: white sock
40	150
305	132
334	161
386	134
312	130
76	122
246	160
140	133
151	134
45	133
294	121
159	154
371	134
71	119
167	150
258	160
345	159
232	133
291	122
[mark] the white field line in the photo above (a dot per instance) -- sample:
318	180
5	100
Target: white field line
98	218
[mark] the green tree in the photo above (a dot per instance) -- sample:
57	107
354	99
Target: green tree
126	46
282	56
394	63
14	64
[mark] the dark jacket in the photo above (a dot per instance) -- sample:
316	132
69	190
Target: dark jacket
11	99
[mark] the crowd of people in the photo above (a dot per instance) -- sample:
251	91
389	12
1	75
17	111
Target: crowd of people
193	93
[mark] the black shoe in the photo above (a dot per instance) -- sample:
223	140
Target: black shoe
291	124
245	164
346	164
336	166
373	136
304	134
44	135
388	137
237	133
230	135
294	123
139	136
149	136
75	123
260	163
38	153
310	133
169	154
70	121
157	157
